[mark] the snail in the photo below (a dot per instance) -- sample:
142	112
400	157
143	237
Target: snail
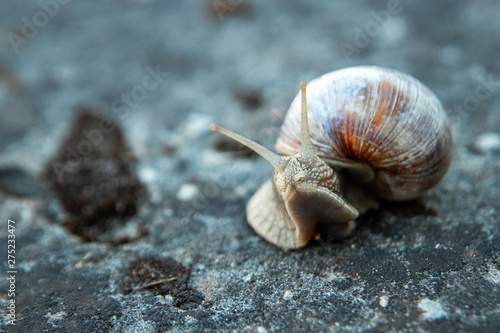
361	133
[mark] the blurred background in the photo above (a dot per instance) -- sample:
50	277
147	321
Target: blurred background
234	62
161	72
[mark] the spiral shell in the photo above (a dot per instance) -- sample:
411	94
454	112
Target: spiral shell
376	117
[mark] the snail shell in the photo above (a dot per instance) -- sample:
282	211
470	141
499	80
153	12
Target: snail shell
382	126
380	121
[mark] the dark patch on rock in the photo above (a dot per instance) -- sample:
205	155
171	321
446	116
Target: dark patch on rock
225	144
17	182
221	9
406	209
162	276
10	80
169	149
376	221
92	176
251	99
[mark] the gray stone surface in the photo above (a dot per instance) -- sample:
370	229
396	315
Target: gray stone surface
429	265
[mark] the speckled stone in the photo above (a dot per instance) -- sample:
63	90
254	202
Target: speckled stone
165	70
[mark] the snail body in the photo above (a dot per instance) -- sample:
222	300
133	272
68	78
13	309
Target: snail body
383	127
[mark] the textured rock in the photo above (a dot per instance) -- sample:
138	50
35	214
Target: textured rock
185	259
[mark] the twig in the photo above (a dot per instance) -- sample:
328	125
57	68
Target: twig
154	283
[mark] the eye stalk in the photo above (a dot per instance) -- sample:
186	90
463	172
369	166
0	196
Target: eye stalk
278	162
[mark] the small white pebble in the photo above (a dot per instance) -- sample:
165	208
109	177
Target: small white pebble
56	316
488	141
52	319
383	301
287	295
187	192
261	329
431	309
190	320
493	274
248	277
148	175
196	125
438	245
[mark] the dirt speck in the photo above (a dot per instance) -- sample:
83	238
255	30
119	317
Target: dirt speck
221	9
92	176
251	99
162	276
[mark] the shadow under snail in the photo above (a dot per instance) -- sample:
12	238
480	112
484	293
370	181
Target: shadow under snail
362	132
